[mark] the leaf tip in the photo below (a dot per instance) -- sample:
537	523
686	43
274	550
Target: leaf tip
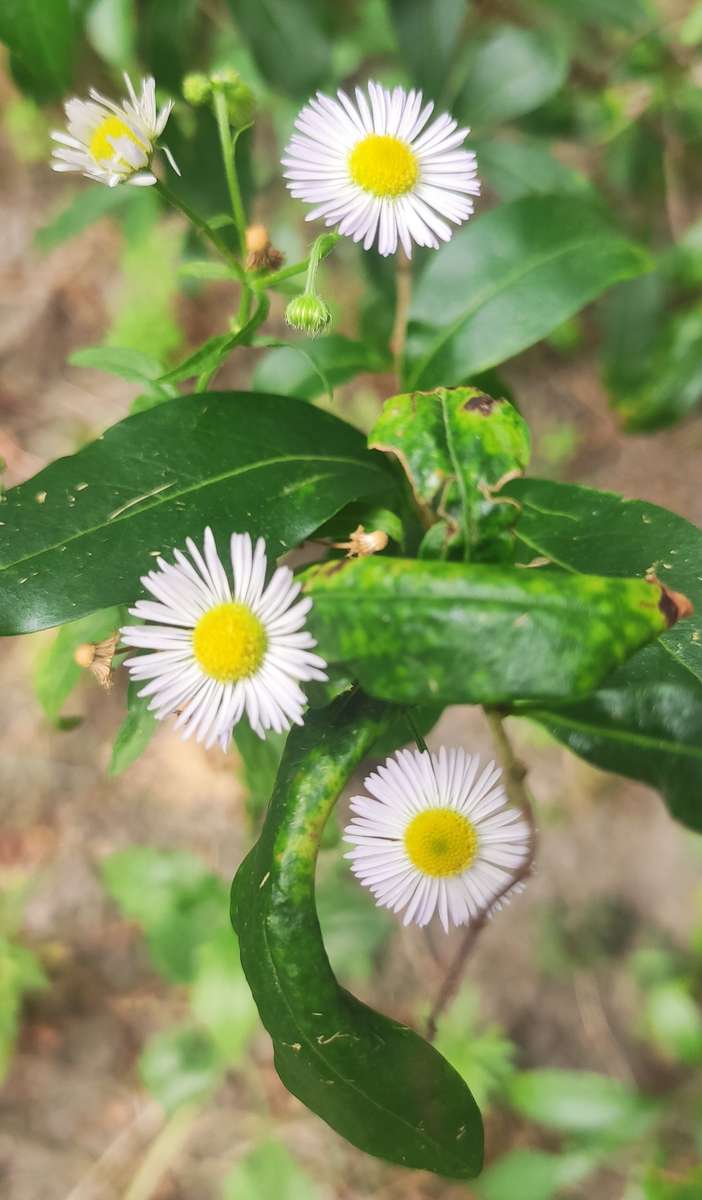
675	606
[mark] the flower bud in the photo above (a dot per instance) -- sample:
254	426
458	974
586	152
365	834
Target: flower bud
308	313
241	102
197	88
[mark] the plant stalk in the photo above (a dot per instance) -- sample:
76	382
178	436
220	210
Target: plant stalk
515	775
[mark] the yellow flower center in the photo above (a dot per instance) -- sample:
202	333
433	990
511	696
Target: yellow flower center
229	642
441	842
383	165
101	147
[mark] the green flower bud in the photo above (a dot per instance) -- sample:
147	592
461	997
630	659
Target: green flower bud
197	89
308	313
241	102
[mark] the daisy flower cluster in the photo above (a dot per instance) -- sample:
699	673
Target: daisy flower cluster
113	143
221	648
437	836
379	171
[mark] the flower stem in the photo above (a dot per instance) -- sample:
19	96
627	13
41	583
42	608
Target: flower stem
403	296
416	732
515	775
203	229
323	246
227	142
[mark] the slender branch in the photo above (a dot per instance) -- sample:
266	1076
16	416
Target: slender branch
162	1152
203	229
515	775
403	296
228	147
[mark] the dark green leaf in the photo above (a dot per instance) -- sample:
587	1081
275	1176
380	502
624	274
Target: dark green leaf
260	758
238	461
134	734
174	898
509	72
417	632
56	672
269	1173
507	280
372	1079
427	34
457	446
579	1102
646	722
166	35
288	41
180	1066
524	168
41	38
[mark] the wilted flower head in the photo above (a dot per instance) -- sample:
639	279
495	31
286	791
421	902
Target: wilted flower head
113	143
376	171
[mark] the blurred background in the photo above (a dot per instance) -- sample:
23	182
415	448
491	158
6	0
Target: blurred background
134	1064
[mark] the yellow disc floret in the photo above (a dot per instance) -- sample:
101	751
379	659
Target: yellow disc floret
383	165
441	842
111	129
229	642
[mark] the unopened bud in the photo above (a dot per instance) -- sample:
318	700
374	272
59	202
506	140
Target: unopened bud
309	314
197	88
241	102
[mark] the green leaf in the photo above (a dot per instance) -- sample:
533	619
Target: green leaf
417	632
134	734
524	168
509	71
41	38
87	206
532	1175
660	1186
353	930
484	1056
180	1066
56	672
457	446
372	1079
20	972
427	34
220	998
118	360
308	371
506	280
174	898
260	758
647	720
674	1020
238	461
206	268
288	41
269	1173
166	30
110	27
579	1102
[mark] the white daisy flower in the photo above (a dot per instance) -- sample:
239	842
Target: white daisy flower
113	143
378	172
437	837
219	651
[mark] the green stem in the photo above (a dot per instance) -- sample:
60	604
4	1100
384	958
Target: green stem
416	733
203	229
162	1153
227	144
327	240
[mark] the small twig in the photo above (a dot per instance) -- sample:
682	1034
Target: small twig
163	1152
515	774
403	296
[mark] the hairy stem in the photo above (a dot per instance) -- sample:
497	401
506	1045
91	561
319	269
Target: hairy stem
227	144
403	296
514	775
